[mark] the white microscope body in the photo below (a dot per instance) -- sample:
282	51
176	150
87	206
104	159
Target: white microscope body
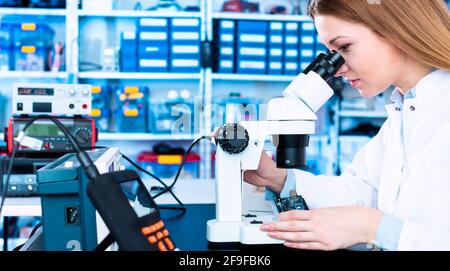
241	207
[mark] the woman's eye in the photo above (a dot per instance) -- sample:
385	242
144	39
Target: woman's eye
344	48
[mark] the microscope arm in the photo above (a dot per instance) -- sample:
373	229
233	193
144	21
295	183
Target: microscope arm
230	167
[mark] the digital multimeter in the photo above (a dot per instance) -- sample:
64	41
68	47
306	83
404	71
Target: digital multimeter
136	226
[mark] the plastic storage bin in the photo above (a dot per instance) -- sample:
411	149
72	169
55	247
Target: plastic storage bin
30	58
101	107
166	165
128	51
131	111
32	34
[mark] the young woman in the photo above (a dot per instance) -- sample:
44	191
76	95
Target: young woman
396	192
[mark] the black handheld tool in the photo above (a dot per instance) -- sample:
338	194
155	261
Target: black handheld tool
134	228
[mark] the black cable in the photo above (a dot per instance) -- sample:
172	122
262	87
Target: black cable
183	209
181	165
33	231
154	177
84	159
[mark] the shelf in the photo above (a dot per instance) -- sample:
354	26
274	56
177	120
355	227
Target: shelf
144	137
260	17
138	14
251	77
138	76
33	74
33	11
362	114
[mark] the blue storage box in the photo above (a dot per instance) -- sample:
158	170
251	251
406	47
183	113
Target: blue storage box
153	65
275	56
153	40
131	109
307	44
291	43
166	165
153	25
128	51
226	46
185	65
185	41
252	47
153	53
32	34
101	107
30	58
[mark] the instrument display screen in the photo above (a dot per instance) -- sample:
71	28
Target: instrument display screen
36	91
37	129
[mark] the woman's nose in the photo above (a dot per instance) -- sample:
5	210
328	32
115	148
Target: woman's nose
342	70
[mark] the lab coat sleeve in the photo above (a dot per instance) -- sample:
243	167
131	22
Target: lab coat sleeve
357	185
416	236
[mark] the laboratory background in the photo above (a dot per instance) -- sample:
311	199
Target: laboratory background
153	103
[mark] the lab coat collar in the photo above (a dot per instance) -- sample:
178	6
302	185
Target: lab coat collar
398	98
434	78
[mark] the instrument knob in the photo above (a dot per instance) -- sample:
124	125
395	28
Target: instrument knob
72	91
85	91
233	138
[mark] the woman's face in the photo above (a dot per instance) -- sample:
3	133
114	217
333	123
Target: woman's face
372	64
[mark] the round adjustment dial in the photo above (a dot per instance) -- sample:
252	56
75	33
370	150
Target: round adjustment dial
83	136
233	138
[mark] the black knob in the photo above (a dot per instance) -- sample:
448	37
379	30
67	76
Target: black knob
233	138
83	137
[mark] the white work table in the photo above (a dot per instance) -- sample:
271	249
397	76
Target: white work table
189	191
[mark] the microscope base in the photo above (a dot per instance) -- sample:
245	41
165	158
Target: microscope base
240	232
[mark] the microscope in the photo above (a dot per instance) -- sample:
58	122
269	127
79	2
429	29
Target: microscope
240	207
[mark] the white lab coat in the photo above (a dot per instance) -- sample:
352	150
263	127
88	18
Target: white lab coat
410	182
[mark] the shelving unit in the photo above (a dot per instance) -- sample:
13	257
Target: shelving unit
138	76
208	82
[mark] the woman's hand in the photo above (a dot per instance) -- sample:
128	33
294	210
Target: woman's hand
325	229
267	175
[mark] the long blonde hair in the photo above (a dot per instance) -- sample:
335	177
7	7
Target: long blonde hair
420	28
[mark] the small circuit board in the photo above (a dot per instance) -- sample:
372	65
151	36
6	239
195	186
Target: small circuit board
294	202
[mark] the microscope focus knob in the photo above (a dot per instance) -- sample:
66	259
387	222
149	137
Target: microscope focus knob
233	138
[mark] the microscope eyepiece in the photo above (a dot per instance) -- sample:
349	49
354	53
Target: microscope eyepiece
291	150
326	65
